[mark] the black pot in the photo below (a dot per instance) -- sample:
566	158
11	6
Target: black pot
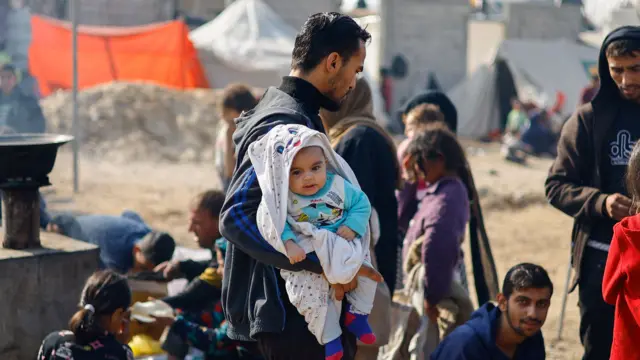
29	157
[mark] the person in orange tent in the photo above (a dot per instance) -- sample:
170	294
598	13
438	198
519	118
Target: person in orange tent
621	282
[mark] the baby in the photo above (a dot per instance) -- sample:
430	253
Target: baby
316	197
320	204
327	201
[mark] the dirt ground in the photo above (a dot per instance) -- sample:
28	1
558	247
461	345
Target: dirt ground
521	226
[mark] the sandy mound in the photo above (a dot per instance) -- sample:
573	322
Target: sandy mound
139	122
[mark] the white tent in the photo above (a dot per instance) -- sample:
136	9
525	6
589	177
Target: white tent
534	70
248	42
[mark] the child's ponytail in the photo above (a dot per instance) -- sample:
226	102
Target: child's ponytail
84	326
104	293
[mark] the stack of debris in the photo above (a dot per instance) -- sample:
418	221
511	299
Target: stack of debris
126	122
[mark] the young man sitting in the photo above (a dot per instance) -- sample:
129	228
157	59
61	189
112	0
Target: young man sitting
512	329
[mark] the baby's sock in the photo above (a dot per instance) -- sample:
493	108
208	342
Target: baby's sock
358	324
333	350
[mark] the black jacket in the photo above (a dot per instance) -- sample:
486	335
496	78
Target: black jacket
574	182
253	296
369	155
203	290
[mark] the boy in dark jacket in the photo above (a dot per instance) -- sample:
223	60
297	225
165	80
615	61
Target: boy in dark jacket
328	54
512	329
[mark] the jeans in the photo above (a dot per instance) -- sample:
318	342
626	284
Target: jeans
296	342
596	316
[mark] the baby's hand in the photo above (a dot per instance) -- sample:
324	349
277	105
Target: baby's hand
346	233
294	251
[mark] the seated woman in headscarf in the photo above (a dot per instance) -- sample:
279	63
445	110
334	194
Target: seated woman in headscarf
539	136
370	152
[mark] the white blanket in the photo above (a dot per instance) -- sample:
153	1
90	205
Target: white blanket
271	157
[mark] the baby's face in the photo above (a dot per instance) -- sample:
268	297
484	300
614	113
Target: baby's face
308	172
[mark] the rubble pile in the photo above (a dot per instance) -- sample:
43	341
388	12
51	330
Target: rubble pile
125	122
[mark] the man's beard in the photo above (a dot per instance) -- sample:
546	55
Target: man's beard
517	329
335	105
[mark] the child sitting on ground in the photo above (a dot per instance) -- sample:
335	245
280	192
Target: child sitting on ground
304	206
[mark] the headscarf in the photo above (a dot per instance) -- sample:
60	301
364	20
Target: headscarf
357	109
437	98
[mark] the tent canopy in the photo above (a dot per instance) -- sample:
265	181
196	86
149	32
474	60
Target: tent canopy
159	53
248	35
533	70
250	43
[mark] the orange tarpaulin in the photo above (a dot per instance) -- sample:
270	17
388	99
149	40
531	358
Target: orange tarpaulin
159	53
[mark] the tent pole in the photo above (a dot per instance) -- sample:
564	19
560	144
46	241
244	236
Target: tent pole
563	305
74	54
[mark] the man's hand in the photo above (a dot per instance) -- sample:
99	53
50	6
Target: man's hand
346	233
294	251
618	206
431	311
169	269
366	271
370	273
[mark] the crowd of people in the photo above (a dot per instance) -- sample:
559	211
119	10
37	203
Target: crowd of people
322	218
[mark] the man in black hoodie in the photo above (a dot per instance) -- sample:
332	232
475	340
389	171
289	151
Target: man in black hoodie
328	54
586	180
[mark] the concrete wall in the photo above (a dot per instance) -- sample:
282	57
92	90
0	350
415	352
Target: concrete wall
40	291
124	12
207	9
432	36
296	12
543	21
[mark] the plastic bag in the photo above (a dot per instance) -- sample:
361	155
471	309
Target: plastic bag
144	345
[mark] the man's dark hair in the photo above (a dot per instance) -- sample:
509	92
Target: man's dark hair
238	97
526	276
326	33
623	47
212	201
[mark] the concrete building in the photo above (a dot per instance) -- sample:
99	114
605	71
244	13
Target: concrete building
125	12
543	21
431	35
296	12
206	9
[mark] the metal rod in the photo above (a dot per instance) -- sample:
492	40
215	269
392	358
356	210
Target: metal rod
76	127
565	294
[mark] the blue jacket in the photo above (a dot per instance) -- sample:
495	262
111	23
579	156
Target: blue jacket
115	236
476	340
